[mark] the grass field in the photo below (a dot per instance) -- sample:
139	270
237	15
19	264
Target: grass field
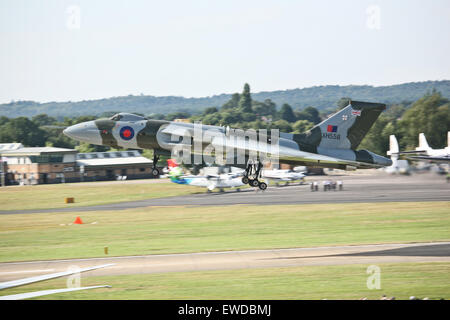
324	282
195	229
87	194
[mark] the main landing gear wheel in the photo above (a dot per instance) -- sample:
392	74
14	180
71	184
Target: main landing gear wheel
155	171
262	185
254	171
254	183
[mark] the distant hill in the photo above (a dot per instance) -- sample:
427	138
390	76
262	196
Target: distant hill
320	97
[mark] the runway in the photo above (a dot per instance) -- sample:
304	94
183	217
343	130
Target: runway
229	260
357	189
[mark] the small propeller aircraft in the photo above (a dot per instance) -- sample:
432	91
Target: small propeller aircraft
211	182
283	175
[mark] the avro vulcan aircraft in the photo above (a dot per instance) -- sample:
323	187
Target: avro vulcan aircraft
330	144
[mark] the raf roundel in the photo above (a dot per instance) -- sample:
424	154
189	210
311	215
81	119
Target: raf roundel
127	133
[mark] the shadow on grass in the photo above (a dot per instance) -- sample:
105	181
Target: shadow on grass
436	250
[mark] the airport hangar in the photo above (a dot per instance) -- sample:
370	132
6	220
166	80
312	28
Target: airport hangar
40	165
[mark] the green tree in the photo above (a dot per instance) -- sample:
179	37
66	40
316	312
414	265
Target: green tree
24	131
257	124
248	116
230	116
177	115
286	113
3	120
343	102
56	138
301	126
266	108
377	139
43	120
395	111
430	115
245	101
210	110
281	125
310	113
233	102
212	119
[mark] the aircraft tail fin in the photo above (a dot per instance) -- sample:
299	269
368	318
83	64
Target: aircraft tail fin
345	129
393	146
448	139
423	144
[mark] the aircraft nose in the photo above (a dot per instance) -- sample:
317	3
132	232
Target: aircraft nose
76	131
68	131
85	131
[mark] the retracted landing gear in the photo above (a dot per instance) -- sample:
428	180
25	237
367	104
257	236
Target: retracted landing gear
252	174
155	171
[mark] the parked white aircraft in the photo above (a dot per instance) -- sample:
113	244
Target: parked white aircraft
210	181
229	180
287	176
425	152
398	166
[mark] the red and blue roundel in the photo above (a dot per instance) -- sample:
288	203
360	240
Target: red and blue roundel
127	133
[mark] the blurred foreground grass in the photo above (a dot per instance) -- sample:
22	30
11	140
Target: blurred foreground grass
319	282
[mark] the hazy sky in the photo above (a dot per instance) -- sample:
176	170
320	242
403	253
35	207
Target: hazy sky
74	50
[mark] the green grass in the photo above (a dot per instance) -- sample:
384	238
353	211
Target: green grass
323	282
86	194
195	229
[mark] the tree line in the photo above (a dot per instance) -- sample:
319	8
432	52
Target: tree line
429	114
323	98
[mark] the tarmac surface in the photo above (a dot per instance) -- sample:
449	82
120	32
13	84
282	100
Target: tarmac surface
229	260
379	187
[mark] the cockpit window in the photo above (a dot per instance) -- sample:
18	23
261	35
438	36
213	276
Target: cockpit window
116	117
126	117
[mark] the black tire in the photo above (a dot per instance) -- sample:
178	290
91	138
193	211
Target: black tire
262	185
155	172
245	180
254	183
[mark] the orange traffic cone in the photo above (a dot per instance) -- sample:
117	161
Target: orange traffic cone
78	221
